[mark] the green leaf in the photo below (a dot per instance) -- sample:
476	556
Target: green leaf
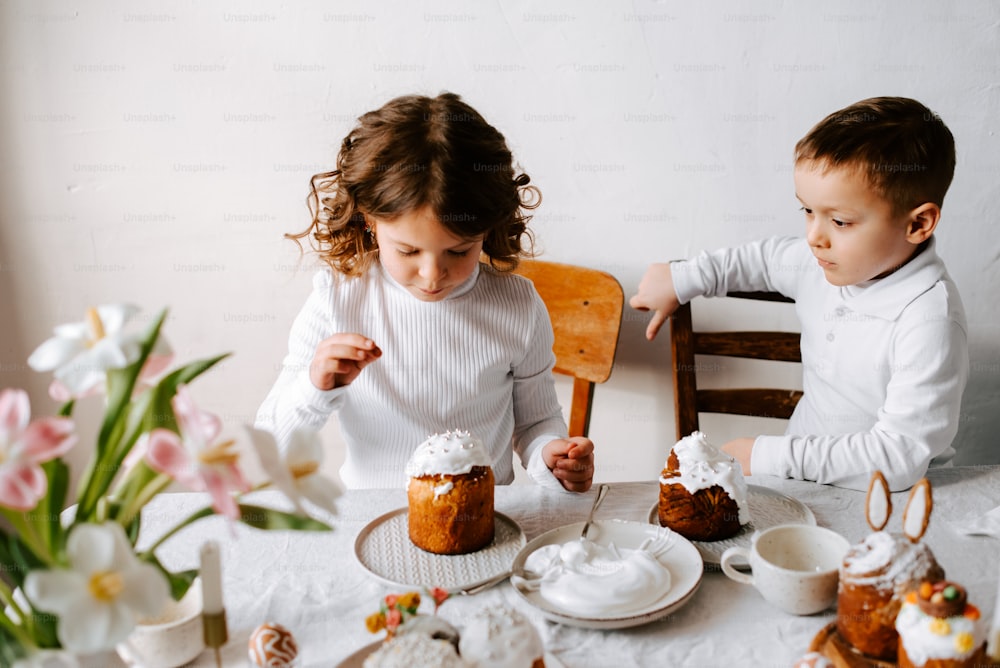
161	413
189	372
17	558
269	519
121	384
14	568
106	461
179	582
57	473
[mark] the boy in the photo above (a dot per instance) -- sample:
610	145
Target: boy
884	349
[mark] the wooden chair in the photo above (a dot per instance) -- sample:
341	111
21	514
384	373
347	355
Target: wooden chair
585	306
685	343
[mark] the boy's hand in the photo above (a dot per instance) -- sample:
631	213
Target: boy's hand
571	461
740	449
340	358
656	293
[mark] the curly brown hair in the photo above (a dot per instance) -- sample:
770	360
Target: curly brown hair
903	148
418	151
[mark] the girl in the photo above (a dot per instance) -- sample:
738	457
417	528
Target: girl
417	326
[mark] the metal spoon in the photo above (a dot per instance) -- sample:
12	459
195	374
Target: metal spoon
601	493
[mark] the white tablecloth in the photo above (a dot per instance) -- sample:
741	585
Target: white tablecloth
311	582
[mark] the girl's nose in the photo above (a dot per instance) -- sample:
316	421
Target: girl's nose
432	270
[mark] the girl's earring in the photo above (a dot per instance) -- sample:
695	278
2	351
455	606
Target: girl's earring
370	232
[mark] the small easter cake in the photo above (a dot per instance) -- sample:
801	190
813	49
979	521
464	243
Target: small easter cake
877	573
450	494
414	650
501	637
703	495
939	628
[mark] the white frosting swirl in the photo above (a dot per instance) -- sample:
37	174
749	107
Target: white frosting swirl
451	453
887	561
500	638
925	637
702	465
588	579
412	651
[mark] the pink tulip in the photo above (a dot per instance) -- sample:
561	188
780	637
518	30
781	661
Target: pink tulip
24	446
195	459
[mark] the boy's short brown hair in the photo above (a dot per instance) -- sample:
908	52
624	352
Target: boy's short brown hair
905	150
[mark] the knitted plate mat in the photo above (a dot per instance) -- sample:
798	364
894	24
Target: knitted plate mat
383	548
768	508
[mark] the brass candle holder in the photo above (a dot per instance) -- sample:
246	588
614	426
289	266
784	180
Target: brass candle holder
215	632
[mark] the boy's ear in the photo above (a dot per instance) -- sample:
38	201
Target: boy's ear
921	222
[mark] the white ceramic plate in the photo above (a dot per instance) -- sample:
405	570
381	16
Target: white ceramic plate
682	560
768	508
357	660
383	548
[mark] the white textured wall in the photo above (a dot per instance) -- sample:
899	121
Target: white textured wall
156	152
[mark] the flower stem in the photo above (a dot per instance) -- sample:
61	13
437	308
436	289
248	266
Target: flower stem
207	511
28	535
134	507
8	624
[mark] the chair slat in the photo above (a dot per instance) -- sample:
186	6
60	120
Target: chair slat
779	346
685	344
758	402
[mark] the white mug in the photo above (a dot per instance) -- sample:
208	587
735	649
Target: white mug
795	567
174	638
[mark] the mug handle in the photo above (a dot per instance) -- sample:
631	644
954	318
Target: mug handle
731	572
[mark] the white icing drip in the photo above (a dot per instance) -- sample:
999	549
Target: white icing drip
500	638
813	660
414	650
887	560
922	644
443	488
451	453
590	579
701	465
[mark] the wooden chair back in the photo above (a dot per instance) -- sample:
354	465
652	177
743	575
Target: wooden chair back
585	307
686	342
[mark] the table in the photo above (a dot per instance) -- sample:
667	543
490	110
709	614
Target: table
311	582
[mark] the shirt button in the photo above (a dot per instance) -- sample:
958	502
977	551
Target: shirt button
830	336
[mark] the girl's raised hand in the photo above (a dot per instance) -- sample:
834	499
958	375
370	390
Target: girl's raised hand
340	358
656	293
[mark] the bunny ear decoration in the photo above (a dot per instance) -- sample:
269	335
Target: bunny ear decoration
878	506
917	513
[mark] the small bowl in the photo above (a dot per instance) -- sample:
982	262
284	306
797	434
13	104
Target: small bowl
171	639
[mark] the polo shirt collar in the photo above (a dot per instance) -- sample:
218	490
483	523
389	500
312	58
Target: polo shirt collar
886	297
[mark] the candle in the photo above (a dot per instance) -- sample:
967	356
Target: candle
211	578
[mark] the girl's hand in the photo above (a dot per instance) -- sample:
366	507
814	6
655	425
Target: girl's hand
740	450
571	461
656	293
340	358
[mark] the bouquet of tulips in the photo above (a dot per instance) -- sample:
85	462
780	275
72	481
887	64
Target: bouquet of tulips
72	580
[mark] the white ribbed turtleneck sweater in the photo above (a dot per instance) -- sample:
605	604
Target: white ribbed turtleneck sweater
479	360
